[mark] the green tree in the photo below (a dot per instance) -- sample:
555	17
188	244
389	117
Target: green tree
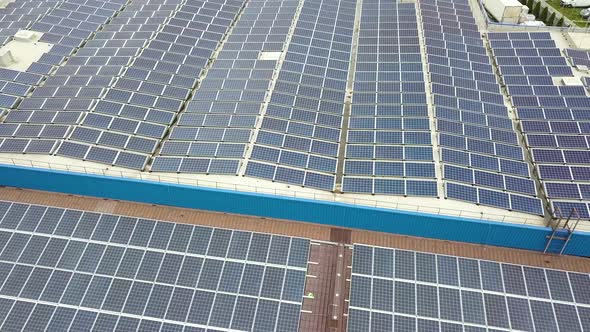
560	23
537	9
530	4
551	19
543	16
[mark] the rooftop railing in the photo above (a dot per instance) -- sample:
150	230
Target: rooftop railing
325	197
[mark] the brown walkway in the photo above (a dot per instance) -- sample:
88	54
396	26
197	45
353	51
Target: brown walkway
327	284
301	229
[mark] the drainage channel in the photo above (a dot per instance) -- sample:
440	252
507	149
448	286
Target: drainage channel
348	97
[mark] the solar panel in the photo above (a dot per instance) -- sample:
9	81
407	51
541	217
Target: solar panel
545	130
120	79
465	129
301	110
227	87
388	108
94	269
467	295
114	52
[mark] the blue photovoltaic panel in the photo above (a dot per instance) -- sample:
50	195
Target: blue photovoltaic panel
304	116
480	146
119	272
66	29
389	107
471	294
551	116
495	198
389	186
490	180
226	106
128	77
578	57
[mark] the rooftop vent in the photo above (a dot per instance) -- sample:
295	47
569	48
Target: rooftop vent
24	49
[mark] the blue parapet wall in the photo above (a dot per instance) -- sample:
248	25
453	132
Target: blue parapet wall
269	206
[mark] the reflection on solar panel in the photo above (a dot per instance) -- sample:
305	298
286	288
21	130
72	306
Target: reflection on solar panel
413	291
552	117
299	135
389	137
72	270
477	139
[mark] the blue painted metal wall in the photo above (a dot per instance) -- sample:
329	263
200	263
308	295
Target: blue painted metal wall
328	213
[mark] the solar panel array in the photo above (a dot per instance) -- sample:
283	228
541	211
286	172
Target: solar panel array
69	270
299	137
158	79
106	56
414	291
67	25
129	73
260	89
578	57
222	114
21	15
14	85
553	118
389	147
482	160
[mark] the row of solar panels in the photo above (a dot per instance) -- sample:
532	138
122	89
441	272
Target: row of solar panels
408	291
552	118
475	131
71	270
230	66
399	127
139	66
141	61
